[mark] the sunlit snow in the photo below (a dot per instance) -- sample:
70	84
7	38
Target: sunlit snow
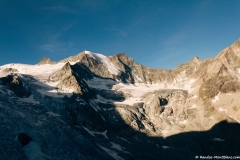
105	61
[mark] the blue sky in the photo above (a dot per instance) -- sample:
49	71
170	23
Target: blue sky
158	34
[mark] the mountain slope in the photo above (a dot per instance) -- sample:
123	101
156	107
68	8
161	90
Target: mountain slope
90	106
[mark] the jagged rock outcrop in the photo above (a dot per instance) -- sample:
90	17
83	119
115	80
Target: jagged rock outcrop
75	58
222	73
228	59
10	70
96	66
191	69
93	63
152	105
218	84
66	80
14	83
136	73
70	79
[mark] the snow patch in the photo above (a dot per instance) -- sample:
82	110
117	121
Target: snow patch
194	106
222	110
53	114
29	100
118	147
164	133
40	72
135	91
234	119
124	140
138	78
129	101
111	153
193	97
183	122
165	147
102	117
53	93
104	134
217	139
216	98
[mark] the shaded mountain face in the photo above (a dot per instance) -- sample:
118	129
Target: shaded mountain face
14	84
90	106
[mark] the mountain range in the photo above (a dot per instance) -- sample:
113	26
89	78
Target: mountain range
90	106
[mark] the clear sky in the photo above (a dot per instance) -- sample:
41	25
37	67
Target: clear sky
155	33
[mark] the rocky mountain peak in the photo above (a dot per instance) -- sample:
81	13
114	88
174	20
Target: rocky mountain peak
67	67
75	58
235	47
234	50
45	60
66	80
236	43
196	59
124	58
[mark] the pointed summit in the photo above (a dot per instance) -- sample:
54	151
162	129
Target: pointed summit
67	66
233	49
236	46
124	58
75	58
196	59
45	60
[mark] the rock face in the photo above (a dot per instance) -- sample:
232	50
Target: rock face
90	106
135	73
69	80
66	80
13	83
92	62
